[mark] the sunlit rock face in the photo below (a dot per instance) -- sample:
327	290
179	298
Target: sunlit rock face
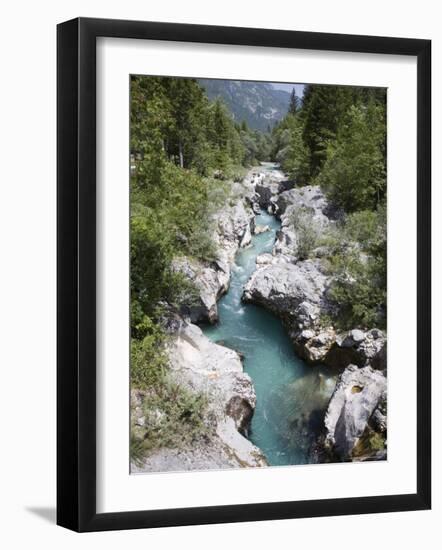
359	393
233	226
207	368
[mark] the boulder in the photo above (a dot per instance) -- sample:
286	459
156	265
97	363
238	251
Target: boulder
309	197
361	348
261	229
264	259
269	186
353	338
312	203
285	242
358	393
288	290
210	280
233	223
266	190
314	349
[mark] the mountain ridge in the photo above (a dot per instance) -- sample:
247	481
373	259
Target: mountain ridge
257	103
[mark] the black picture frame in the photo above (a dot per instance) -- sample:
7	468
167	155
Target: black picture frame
76	274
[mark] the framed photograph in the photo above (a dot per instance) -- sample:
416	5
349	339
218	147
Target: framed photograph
243	224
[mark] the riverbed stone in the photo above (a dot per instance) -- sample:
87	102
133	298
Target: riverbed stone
264	259
353	338
261	229
358	393
282	288
309	197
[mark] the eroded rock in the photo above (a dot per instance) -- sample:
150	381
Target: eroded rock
286	287
358	393
233	228
205	367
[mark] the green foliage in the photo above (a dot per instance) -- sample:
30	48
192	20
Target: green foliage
257	146
172	119
289	149
324	112
358	292
354	173
148	357
306	232
357	263
337	139
294	103
175	416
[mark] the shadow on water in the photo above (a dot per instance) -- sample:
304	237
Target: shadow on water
291	396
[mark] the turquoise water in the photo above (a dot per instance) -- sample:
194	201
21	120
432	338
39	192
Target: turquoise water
291	396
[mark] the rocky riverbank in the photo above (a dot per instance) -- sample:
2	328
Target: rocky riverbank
216	372
233	227
295	289
206	368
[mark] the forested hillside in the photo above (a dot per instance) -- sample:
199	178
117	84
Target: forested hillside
336	137
184	148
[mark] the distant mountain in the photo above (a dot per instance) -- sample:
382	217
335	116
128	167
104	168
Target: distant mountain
258	103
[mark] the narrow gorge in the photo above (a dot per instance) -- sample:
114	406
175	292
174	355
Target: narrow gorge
282	388
258	260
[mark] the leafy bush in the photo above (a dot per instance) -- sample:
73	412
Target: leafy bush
357	264
174	415
359	291
306	232
148	357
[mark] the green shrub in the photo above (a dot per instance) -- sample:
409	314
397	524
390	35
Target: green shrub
175	416
359	291
357	264
148	357
306	232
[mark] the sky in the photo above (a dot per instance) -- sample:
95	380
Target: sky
288	87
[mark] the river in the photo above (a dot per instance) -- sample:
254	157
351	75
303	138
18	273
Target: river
291	396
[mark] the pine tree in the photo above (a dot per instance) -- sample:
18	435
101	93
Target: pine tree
294	103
